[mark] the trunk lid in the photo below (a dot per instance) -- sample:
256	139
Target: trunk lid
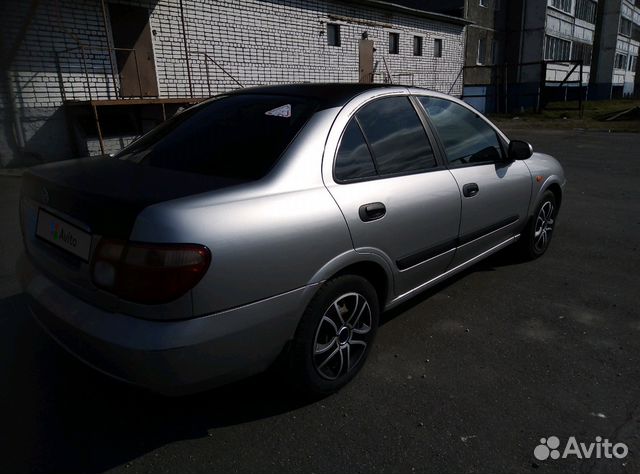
97	197
107	194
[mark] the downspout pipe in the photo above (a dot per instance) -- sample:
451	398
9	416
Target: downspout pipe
107	40
522	32
186	48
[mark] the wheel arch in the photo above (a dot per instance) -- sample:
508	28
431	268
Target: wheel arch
552	184
374	274
557	192
370	266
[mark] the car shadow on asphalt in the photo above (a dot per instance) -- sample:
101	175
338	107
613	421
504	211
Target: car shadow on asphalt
61	416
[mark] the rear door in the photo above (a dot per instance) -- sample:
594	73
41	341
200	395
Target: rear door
495	192
397	197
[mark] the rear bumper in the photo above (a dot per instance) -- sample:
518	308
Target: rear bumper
171	357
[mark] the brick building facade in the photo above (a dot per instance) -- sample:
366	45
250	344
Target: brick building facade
66	61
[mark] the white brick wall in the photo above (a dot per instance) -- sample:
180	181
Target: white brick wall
257	41
56	28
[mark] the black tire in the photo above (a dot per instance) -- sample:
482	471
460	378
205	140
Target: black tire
316	373
536	236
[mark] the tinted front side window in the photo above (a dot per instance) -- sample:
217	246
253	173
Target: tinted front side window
466	137
397	138
237	136
354	160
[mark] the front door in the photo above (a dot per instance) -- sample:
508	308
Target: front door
496	211
495	193
133	50
396	197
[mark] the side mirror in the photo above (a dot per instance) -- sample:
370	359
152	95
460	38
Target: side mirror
519	150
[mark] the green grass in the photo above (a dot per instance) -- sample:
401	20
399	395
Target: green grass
565	115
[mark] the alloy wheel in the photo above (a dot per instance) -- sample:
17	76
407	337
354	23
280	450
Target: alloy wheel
543	227
342	336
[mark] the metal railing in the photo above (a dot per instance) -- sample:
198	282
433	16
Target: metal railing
455	81
92	87
208	59
101	61
505	83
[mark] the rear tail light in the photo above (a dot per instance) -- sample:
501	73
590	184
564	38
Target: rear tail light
148	273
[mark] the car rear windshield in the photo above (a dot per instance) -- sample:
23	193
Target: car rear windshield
235	136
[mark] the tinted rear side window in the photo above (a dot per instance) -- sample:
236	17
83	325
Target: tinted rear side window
354	159
237	136
466	137
397	138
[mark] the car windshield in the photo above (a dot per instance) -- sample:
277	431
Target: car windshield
236	136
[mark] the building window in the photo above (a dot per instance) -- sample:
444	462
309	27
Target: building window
494	52
633	63
437	48
582	51
586	10
625	26
620	62
394	43
333	34
556	49
482	51
417	45
564	5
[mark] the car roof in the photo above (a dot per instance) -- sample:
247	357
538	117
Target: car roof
326	94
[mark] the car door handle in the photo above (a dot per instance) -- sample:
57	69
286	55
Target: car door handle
372	211
470	190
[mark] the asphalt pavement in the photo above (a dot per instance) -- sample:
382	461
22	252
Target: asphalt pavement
466	378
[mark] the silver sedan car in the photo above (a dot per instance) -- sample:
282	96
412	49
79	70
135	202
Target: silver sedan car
273	223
